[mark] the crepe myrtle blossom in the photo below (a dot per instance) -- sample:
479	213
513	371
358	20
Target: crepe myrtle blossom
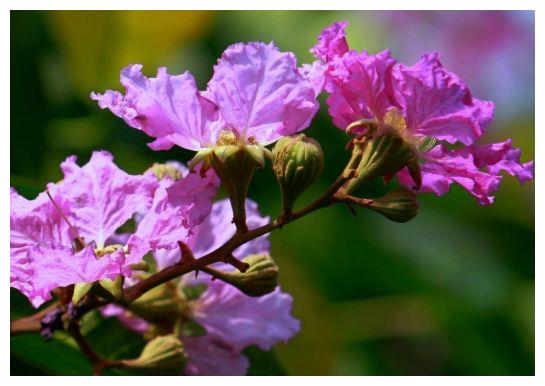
231	320
425	104
256	93
67	235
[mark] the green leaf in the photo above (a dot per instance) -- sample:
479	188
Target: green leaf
54	357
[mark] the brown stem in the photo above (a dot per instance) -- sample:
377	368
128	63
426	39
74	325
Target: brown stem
220	254
31	323
169	273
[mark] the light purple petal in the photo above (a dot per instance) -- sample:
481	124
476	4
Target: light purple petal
241	321
52	268
331	42
260	93
168	107
101	196
178	207
436	103
315	73
209	356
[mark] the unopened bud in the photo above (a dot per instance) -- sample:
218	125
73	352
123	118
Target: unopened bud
298	162
380	156
158	305
234	163
259	279
164	355
399	205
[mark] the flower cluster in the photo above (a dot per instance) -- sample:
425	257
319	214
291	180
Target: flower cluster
194	276
426	105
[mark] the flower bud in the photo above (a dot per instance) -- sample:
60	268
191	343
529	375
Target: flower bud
235	162
164	355
380	156
399	205
158	305
259	279
298	162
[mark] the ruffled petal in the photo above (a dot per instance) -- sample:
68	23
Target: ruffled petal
209	356
360	87
50	268
101	196
331	42
260	93
167	107
436	103
500	156
241	321
442	167
178	207
315	73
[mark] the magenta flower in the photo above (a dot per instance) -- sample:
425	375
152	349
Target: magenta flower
256	92
232	320
424	104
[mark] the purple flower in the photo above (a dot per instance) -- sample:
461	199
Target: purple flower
256	92
424	104
232	320
71	238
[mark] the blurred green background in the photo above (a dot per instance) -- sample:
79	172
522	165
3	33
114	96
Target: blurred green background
449	293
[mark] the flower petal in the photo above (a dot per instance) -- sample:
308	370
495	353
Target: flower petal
260	92
101	196
436	103
209	356
241	321
331	42
360	87
168	107
178	207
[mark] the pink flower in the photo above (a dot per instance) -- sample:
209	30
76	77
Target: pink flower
424	104
256	92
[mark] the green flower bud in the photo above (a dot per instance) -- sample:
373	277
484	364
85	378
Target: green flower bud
165	170
235	163
161	304
259	279
298	162
380	156
399	205
163	355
